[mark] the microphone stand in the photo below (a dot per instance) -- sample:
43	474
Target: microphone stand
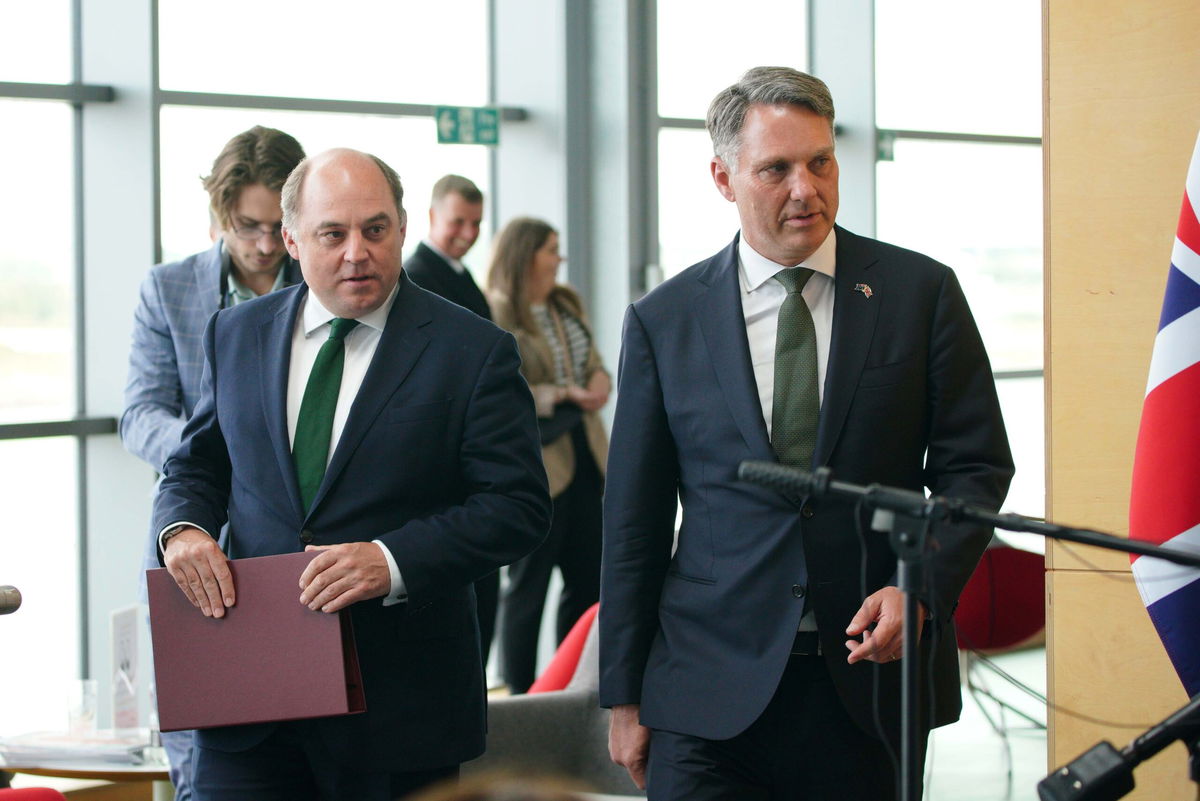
910	517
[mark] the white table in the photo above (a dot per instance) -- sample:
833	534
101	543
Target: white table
99	770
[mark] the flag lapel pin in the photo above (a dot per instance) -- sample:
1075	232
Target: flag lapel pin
864	288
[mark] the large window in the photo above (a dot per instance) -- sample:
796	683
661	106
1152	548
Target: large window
79	192
35	43
960	179
192	137
39	524
38	537
411	55
37	262
945	65
350	50
701	50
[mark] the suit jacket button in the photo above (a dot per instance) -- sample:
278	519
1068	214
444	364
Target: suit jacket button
806	512
307	537
798	590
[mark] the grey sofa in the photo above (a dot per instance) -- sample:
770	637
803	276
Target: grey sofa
563	733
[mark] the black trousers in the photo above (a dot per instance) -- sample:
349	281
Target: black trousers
804	747
573	545
293	765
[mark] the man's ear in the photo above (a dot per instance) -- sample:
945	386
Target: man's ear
723	178
289	242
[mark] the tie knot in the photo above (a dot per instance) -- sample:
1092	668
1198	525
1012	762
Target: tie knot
340	326
794	278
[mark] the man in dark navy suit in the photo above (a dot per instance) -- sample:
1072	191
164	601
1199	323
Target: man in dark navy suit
751	658
426	477
455	215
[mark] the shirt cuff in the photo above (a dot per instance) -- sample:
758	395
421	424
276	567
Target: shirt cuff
176	524
398	592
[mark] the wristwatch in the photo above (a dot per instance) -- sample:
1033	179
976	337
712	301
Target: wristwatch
171	532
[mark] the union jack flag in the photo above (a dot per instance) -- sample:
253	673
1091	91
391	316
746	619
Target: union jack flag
1165	505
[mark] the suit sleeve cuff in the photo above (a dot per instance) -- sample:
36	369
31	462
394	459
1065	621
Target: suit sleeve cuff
176	524
397	593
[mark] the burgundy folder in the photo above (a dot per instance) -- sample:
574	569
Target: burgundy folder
270	658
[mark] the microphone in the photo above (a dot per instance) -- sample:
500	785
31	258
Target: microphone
10	599
820	482
785	479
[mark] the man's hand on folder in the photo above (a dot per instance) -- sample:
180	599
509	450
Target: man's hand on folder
344	574
201	570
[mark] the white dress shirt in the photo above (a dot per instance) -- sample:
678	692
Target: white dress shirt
458	266
762	296
312	329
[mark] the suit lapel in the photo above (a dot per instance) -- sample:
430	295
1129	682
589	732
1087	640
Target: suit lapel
275	356
854	317
400	346
723	325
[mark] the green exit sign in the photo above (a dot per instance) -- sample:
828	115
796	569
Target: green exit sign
464	125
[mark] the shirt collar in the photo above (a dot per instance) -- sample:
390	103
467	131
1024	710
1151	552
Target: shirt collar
316	315
455	263
239	293
756	269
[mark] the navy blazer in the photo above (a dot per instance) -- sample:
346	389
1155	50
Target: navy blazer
700	637
439	459
429	270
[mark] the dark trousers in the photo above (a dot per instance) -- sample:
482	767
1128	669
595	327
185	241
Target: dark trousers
573	544
804	747
293	765
487	598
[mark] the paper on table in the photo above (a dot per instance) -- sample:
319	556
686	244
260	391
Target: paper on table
43	746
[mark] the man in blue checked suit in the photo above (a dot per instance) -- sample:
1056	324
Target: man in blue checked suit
248	259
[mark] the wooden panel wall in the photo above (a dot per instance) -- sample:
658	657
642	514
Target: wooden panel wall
1122	111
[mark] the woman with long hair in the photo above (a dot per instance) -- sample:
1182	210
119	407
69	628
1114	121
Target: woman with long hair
570	385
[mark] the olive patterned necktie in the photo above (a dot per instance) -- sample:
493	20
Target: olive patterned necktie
796	403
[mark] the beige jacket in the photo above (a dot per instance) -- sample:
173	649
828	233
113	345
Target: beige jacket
537	365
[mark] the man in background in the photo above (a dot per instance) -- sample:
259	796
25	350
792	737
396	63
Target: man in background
760	659
455	214
247	259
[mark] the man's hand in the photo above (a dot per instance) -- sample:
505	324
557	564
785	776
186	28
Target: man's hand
629	742
344	574
884	643
201	570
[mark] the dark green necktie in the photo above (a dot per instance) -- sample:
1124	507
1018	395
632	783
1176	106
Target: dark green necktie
314	426
796	403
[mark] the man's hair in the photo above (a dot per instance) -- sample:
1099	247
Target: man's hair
512	256
292	189
257	156
456	185
767	86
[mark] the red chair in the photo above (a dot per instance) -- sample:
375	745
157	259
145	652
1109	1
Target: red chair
1002	608
31	794
559	672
